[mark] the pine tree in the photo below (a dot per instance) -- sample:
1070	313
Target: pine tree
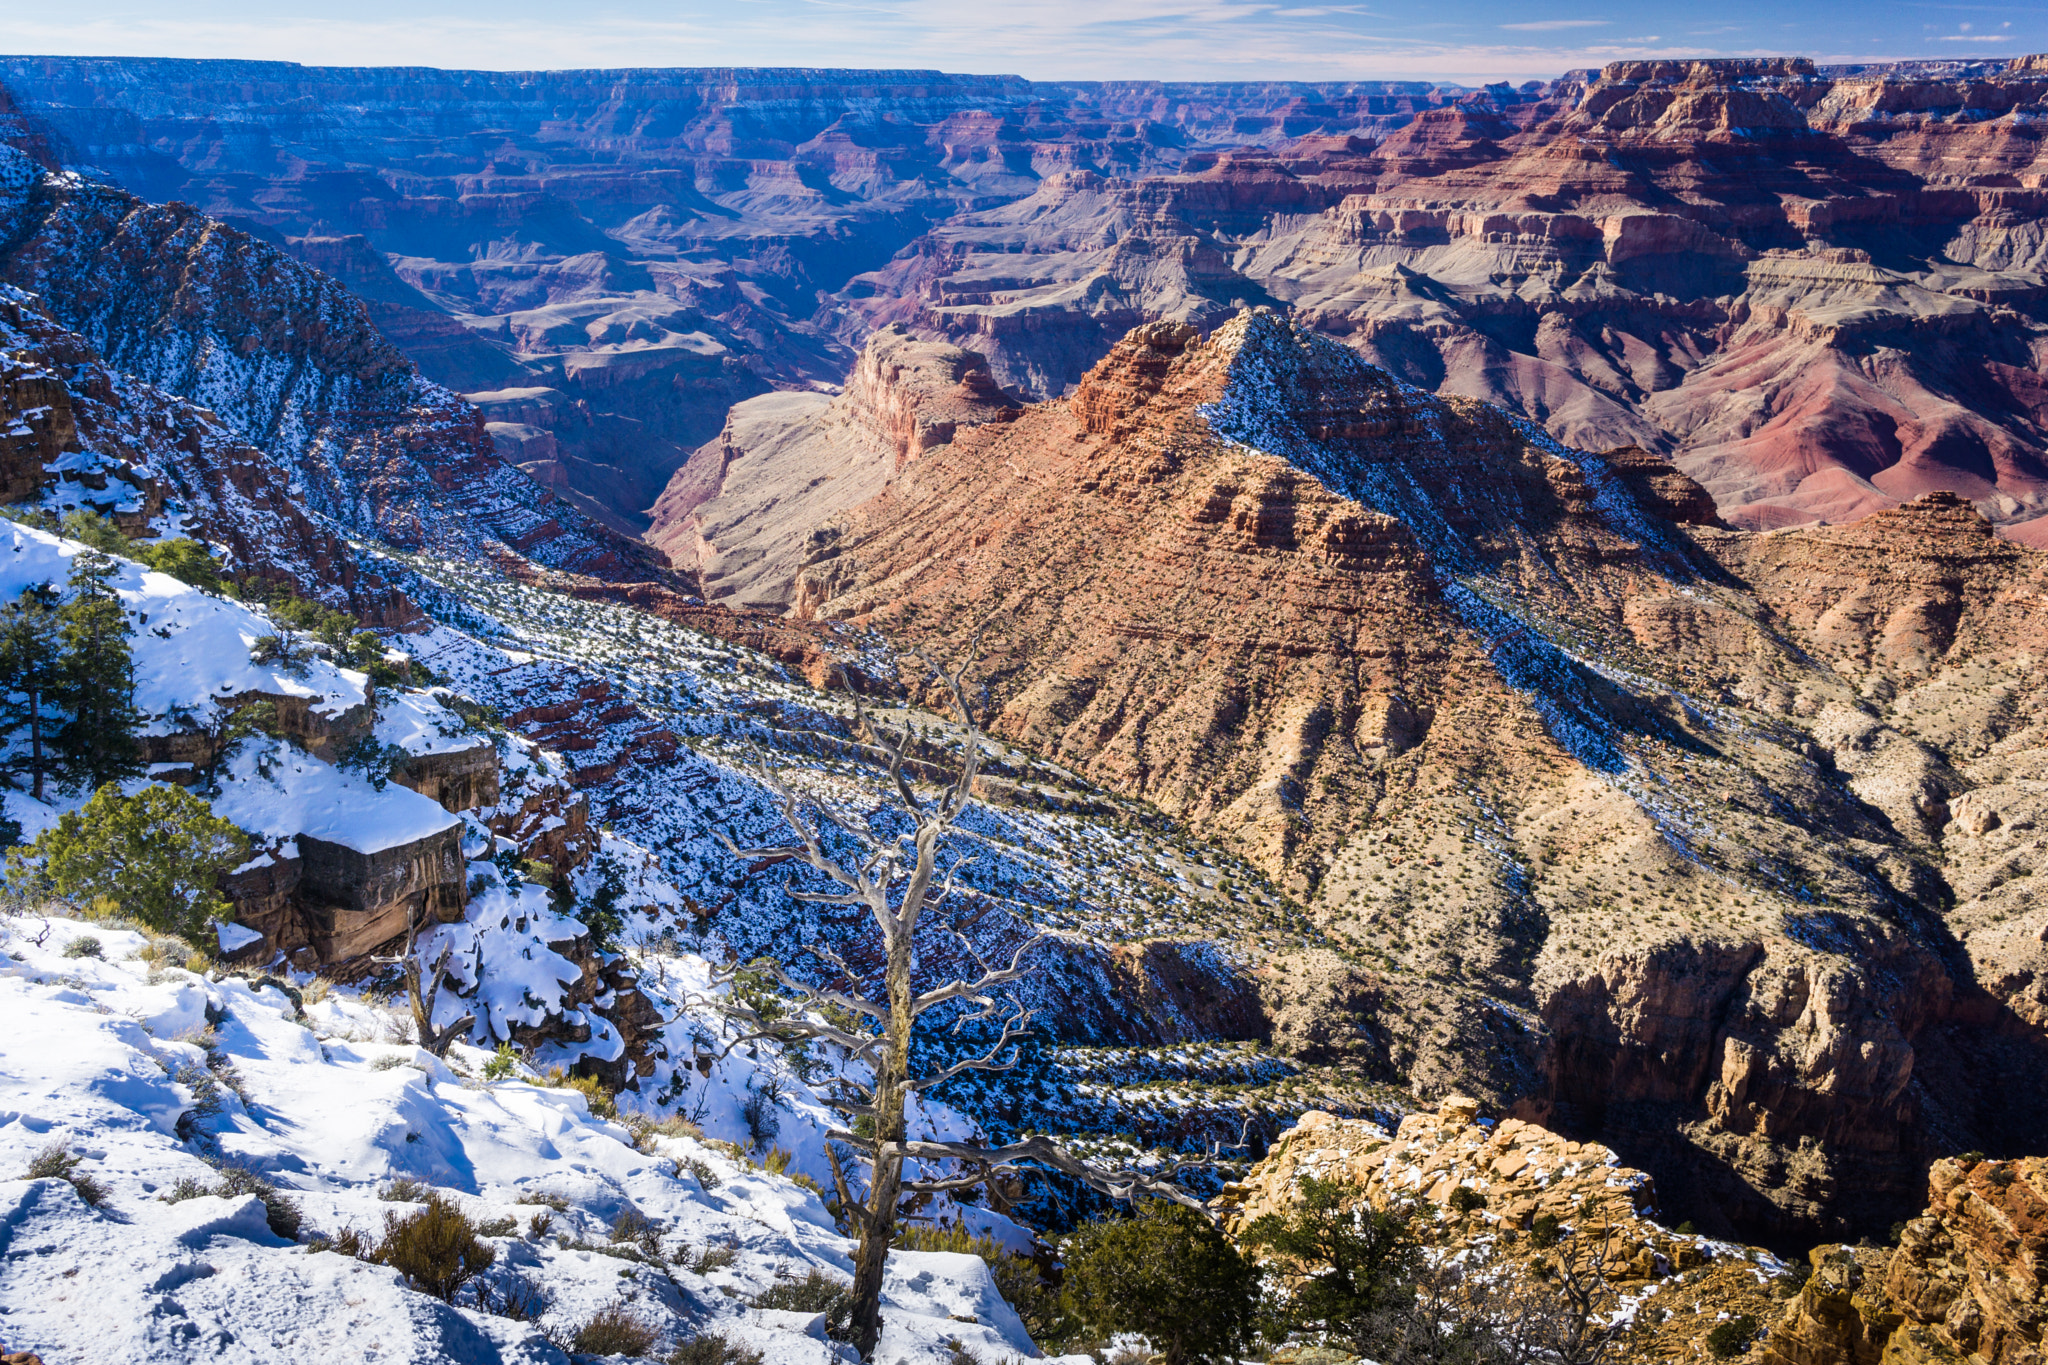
31	663
97	746
157	854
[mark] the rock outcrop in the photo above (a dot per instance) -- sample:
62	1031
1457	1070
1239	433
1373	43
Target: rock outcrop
743	512
1508	1175
1968	1280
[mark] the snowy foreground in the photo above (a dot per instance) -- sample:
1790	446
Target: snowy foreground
108	1053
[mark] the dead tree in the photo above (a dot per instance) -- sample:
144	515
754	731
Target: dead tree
423	998
894	879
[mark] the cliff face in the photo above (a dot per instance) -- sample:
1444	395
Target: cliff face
1811	289
1969	1279
741	513
284	360
1814	288
1633	820
1679	1285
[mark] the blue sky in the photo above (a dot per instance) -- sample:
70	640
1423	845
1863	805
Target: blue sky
1467	40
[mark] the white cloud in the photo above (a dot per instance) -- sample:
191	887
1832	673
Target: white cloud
1047	40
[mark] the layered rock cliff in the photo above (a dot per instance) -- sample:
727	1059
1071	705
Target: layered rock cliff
1671	1288
1636	821
284	360
1968	1280
740	514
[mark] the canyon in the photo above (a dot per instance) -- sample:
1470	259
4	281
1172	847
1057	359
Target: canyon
1579	545
1816	289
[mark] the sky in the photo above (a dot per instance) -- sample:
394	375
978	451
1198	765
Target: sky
1470	41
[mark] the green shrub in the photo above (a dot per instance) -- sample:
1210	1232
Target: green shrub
85	945
615	1331
713	1349
185	560
1168	1274
156	854
1354	1262
1731	1338
816	1292
405	1190
504	1062
436	1249
1545	1232
1465	1199
90	528
602	1104
55	1162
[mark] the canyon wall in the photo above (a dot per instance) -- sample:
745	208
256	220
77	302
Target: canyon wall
1815	289
1652	828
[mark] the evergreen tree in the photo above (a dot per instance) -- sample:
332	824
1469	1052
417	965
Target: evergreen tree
1166	1273
1355	1265
97	746
31	665
157	854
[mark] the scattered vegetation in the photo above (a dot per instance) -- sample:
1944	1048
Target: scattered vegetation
55	1162
1168	1274
1731	1338
1353	1264
437	1249
713	1349
816	1292
616	1330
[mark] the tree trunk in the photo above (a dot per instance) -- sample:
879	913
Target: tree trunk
35	736
878	1228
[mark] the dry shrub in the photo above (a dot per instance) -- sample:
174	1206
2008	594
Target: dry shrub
55	1162
713	1349
816	1292
437	1248
519	1299
280	1210
712	1258
615	1331
635	1227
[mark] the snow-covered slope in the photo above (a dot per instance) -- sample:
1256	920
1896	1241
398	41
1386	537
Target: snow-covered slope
192	654
115	1056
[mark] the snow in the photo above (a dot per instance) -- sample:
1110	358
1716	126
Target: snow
275	790
101	1053
233	937
190	648
419	724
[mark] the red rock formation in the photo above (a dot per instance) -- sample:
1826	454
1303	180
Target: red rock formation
151	450
288	361
1969	1279
1339	621
741	513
